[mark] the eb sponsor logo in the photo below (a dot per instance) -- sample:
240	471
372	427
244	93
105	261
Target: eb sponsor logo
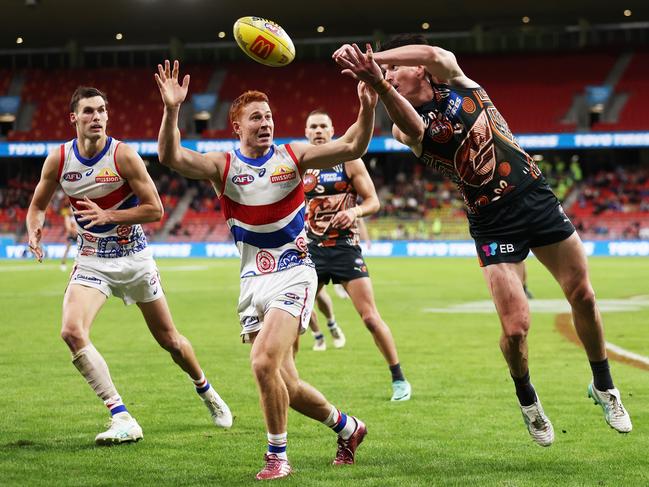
494	248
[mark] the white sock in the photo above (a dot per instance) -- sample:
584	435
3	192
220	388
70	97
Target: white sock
277	445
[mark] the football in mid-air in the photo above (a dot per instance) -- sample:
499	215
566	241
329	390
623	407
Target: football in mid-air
264	41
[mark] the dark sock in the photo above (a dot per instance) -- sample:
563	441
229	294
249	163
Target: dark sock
602	375
524	390
395	370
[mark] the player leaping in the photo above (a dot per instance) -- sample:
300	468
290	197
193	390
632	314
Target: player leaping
262	197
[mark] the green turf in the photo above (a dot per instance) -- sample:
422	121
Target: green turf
462	426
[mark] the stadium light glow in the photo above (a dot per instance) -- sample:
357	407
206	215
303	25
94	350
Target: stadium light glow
320	29
526	19
628	13
425	26
19	40
221	35
119	36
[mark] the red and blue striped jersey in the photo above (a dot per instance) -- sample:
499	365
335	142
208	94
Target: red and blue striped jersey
263	203
99	179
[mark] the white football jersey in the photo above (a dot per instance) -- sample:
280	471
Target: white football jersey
99	179
263	203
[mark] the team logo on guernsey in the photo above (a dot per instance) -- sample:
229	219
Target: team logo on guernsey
282	173
265	261
107	176
72	176
89	237
243	179
87	251
124	230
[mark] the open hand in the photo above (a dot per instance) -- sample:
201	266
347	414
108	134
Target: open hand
357	64
173	94
35	244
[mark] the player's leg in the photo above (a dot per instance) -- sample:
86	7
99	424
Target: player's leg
319	344
65	255
158	318
523	275
505	285
80	307
326	307
362	296
310	402
270	347
567	262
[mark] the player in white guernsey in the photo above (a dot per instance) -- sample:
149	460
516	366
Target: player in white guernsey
260	186
111	194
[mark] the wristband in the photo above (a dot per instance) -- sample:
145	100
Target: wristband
382	87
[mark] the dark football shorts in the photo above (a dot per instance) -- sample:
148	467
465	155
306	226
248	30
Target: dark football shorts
531	219
72	239
340	263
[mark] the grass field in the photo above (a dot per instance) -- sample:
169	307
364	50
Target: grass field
462	426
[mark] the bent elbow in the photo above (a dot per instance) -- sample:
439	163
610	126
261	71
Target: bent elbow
159	213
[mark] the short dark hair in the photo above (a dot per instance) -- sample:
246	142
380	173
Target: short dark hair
319	111
402	40
85	92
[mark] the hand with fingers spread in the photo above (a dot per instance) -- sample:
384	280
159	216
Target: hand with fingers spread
359	65
173	93
93	214
35	244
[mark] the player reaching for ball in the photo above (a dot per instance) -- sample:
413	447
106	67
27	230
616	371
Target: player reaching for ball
111	194
450	123
262	196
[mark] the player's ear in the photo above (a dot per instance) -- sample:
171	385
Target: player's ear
236	127
73	118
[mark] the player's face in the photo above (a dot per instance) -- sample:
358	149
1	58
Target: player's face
319	129
405	79
91	117
255	124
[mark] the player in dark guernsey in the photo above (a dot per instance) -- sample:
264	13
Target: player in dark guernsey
451	124
332	229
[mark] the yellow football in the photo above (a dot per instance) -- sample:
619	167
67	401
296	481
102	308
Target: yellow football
264	41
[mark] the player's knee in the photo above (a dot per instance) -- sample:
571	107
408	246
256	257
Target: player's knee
172	343
372	320
582	295
263	366
74	335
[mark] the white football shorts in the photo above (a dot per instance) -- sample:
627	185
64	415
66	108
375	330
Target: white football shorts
292	290
134	278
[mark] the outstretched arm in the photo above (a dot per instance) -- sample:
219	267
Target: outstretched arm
364	67
189	163
37	207
352	145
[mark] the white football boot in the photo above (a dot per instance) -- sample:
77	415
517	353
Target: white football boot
538	424
122	429
338	337
614	412
319	345
219	410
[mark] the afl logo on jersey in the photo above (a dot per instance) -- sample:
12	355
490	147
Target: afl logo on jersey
72	176
243	179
